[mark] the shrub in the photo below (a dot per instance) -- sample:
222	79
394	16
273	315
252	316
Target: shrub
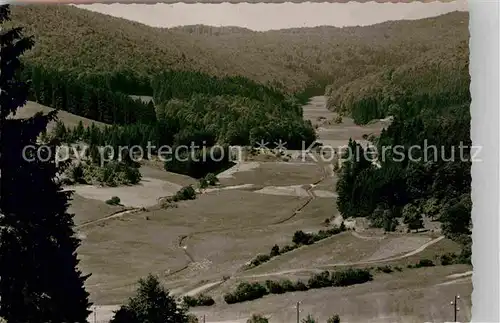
320	280
274	287
288	248
300	286
334	319
189	301
320	235
204	300
309	319
448	259
200	300
246	292
259	260
115	200
338	119
203	183
350	277
287	285
211	179
424	263
257	319
275	251
192	319
302	238
385	269
185	193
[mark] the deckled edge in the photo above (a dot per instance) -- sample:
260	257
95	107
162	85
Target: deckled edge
484	71
212	1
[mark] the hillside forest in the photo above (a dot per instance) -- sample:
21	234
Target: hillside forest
240	87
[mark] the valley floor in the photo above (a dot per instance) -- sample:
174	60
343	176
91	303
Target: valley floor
260	203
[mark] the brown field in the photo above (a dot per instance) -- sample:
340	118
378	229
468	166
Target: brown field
194	246
70	120
276	174
86	210
413	295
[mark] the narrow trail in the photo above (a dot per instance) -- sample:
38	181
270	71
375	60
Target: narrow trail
327	266
183	239
203	288
357	235
114	215
327	173
456	281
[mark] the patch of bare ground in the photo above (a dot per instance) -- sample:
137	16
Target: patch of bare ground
154	185
342	248
144	194
241	166
86	210
154	169
292	190
432	252
119	252
70	120
271	174
408	296
397	245
219	239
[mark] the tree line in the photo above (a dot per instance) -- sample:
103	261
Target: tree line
408	184
39	278
438	79
84	97
191	107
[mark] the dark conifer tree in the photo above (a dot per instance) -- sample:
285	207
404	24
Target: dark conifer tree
39	279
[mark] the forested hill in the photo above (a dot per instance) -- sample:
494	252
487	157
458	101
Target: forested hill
87	42
429	98
211	30
437	77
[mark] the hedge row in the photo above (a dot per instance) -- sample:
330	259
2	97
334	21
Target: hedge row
300	238
199	300
251	291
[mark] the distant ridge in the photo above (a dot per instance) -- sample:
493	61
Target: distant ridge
292	59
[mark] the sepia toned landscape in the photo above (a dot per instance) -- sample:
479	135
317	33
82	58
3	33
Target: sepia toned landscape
286	217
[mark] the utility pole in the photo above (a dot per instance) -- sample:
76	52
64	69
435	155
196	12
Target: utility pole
203	318
298	312
455	307
95	314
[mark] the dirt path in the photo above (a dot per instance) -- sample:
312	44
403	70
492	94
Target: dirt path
327	266
326	173
202	288
467	273
109	217
458	278
357	235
